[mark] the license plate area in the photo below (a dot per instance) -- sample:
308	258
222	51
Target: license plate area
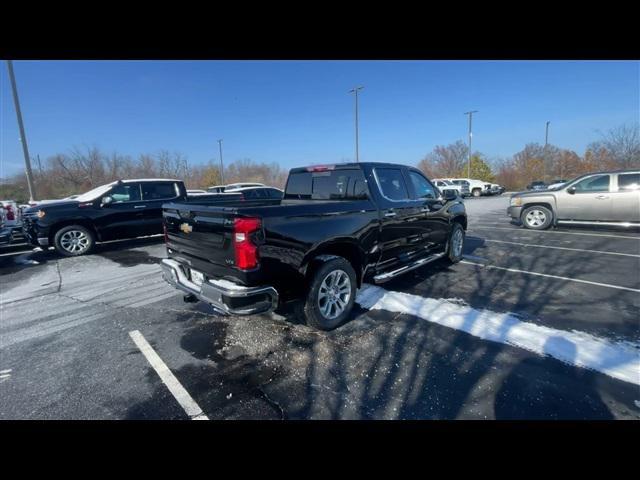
196	277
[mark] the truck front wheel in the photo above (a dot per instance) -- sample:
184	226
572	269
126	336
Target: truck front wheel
455	245
73	240
331	296
476	192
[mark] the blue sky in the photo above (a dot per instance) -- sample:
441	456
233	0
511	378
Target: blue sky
300	112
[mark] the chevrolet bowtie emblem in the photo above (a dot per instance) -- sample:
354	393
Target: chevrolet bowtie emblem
186	228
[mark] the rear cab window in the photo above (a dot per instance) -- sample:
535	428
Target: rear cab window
629	182
159	190
391	183
339	184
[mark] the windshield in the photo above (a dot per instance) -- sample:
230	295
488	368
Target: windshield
95	193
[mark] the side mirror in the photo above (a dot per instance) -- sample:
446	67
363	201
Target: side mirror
571	190
107	200
449	194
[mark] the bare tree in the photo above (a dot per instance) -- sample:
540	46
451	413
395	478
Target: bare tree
445	161
622	144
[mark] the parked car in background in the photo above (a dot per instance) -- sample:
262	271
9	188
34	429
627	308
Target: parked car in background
604	198
192	192
6	233
496	189
556	183
258	193
121	209
443	185
232	186
537	185
476	187
336	227
12	215
235	186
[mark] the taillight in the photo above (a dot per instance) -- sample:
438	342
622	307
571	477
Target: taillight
246	252
10	214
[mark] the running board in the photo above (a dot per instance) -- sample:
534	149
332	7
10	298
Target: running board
383	277
607	224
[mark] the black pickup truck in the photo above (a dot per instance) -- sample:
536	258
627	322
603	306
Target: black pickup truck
336	227
121	209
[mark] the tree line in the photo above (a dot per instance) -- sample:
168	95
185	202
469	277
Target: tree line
618	148
82	169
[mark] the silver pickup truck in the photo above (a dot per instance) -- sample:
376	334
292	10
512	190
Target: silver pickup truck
603	198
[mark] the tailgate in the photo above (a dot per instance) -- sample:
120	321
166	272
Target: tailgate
201	233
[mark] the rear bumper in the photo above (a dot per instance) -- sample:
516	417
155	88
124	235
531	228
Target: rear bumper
223	295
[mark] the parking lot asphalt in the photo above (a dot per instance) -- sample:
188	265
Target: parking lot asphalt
66	350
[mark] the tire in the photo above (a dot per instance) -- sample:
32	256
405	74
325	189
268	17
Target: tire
73	241
455	243
476	192
320	307
536	217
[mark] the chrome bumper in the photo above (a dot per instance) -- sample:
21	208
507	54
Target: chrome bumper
220	294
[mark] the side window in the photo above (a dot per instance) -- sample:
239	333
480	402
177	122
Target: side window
250	194
126	192
392	183
598	183
421	187
273	193
158	190
629	182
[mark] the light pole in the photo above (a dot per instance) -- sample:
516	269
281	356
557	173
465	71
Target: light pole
356	90
544	161
470	134
23	137
221	164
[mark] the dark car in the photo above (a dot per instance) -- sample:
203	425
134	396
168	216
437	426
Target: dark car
336	227
258	193
118	210
537	186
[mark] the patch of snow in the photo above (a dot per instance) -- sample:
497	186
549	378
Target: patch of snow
618	360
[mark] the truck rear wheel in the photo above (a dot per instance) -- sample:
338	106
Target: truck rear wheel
73	240
331	296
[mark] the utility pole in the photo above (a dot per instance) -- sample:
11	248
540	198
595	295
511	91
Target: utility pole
544	161
356	90
221	164
470	134
23	137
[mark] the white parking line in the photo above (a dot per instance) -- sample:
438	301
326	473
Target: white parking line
515	270
185	400
618	360
562	248
520	230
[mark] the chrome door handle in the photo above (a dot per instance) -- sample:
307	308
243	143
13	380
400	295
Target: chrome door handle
425	209
140	206
602	197
390	214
